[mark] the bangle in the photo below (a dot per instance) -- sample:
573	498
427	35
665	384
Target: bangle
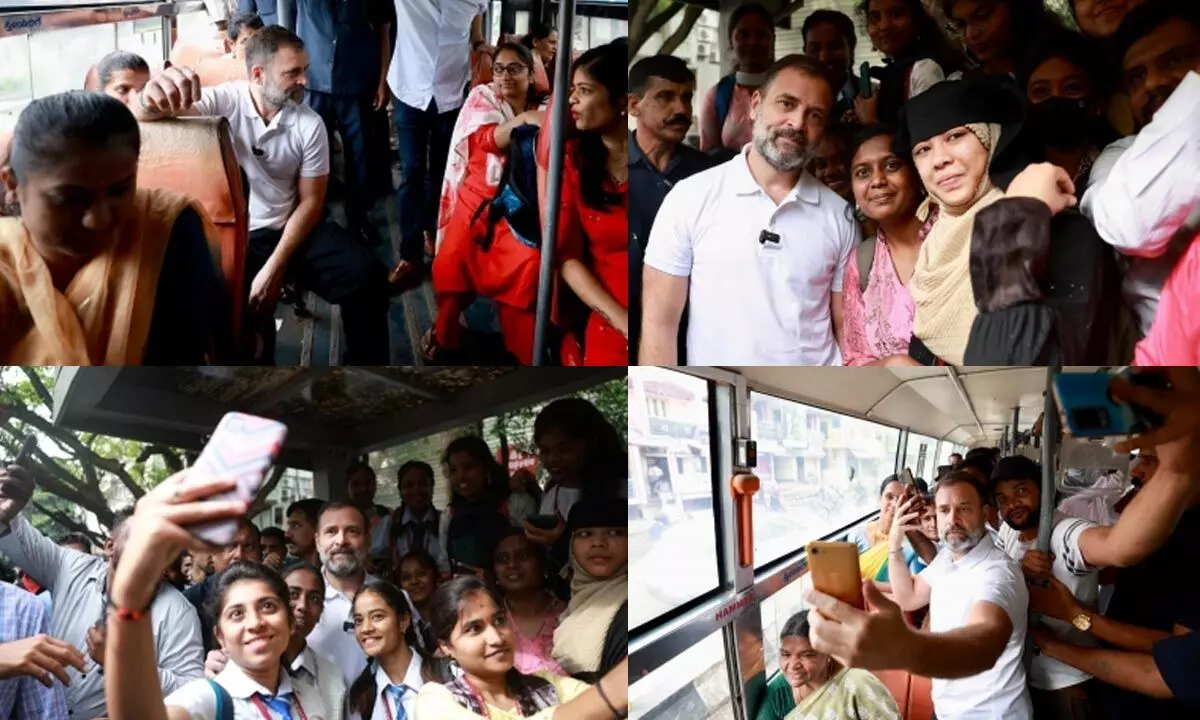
604	697
126	613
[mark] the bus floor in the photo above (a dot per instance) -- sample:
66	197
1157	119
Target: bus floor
314	338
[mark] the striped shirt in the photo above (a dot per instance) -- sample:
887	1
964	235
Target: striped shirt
24	615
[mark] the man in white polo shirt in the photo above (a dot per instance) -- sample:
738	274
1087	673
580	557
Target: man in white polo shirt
978	607
756	247
282	147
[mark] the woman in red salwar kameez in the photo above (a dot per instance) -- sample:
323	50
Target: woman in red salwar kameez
507	270
594	230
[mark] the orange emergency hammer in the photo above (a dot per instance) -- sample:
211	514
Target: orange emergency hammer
743	486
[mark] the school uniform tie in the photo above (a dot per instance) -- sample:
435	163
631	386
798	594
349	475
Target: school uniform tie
396	692
281	705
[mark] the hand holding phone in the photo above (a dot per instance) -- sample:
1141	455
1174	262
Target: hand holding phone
835	571
864	81
243	447
1090	409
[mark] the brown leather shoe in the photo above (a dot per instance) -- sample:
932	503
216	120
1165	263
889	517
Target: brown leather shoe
405	275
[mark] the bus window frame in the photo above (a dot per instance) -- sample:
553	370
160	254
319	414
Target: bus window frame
735	607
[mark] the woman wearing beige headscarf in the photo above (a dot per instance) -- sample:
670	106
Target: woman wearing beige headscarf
961	135
593	634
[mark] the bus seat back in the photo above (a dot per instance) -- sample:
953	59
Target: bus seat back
91	81
897	684
920	697
220	70
191	53
195	156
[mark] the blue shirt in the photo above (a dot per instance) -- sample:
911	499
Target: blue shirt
341	39
23	615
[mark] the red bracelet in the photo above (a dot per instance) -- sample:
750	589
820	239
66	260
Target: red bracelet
127	614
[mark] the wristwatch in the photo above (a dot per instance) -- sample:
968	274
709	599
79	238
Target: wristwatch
1082	622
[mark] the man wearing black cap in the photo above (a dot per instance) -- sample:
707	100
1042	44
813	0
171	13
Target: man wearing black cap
1078	550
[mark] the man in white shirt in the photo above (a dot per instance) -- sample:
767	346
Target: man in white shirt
756	246
342	541
282	147
978	606
1079	549
1143	186
428	77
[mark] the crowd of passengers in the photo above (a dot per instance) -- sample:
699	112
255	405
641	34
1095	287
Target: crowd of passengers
1027	196
114	273
510	601
1100	626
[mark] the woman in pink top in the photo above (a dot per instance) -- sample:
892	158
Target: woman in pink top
532	610
879	319
1174	338
725	120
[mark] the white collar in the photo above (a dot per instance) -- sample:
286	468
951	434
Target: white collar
306	660
332	592
807	189
282	119
412	677
409	517
242	687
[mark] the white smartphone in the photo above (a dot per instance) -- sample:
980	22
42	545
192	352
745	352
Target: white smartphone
243	447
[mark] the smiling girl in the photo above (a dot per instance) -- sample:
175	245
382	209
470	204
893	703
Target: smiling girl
396	669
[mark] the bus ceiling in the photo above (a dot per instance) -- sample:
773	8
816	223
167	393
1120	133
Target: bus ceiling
970	406
333	415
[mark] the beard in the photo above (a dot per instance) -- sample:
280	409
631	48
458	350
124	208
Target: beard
1030	521
342	562
965	544
783	159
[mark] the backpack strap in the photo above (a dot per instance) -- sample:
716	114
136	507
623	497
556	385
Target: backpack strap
224	701
724	99
864	256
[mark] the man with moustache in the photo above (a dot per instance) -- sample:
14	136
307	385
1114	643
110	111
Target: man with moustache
661	88
756	247
978	607
1078	550
342	541
1144	186
282	146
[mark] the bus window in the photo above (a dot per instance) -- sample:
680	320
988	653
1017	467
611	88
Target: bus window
919	455
693	684
16	85
144	38
820	471
62	58
946	449
671	519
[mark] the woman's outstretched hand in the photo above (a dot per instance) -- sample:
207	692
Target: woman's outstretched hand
157	533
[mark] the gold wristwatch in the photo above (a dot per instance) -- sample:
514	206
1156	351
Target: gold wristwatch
1082	622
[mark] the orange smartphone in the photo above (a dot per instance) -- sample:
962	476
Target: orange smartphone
835	571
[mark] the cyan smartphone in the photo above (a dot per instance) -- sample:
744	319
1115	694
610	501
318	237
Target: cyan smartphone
1090	411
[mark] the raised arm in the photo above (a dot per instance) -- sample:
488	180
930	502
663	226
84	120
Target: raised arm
911	593
1144	526
156	536
20	541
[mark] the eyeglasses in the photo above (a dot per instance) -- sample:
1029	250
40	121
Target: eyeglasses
512	70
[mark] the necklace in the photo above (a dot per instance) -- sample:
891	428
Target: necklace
545	617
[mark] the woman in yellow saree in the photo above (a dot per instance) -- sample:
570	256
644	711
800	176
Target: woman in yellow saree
96	271
872	538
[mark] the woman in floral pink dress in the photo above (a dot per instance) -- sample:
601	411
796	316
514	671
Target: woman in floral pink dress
879	312
532	610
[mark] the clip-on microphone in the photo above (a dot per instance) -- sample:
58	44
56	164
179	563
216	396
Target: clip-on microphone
766	236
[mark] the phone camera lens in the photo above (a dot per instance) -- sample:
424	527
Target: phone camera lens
1092	418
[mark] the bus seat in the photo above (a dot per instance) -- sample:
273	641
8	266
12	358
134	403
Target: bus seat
896	682
195	156
920	698
8	124
220	70
92	80
190	54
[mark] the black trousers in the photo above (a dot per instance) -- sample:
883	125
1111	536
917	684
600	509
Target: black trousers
335	265
349	114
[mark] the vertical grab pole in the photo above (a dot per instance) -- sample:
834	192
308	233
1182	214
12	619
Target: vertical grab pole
1016	433
287	16
554	175
1049	461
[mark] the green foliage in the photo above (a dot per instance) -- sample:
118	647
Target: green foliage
99	473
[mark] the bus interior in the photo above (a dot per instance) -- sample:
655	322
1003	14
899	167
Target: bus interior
706	622
51	46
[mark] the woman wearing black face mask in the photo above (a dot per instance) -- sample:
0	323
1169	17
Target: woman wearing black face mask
1064	80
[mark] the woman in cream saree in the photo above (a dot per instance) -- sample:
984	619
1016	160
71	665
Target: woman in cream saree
817	688
96	271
